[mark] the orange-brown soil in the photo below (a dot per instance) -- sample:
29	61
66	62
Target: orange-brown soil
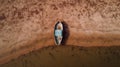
27	25
69	56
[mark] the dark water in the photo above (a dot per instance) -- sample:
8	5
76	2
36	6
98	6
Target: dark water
69	56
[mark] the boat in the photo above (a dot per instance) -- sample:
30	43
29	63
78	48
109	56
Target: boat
58	33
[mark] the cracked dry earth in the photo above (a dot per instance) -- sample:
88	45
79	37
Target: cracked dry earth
27	25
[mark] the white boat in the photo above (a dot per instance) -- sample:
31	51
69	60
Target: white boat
58	33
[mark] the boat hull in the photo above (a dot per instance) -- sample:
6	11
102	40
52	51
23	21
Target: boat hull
58	40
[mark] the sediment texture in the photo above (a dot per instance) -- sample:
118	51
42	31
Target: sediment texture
27	25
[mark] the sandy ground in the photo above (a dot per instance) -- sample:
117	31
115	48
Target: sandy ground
27	25
69	56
